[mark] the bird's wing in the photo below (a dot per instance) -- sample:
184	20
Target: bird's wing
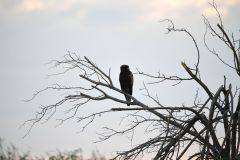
132	79
121	80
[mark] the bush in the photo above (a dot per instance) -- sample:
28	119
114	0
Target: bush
10	152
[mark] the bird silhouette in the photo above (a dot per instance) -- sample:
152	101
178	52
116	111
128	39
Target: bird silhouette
126	81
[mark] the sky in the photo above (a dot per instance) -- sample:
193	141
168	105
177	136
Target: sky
110	33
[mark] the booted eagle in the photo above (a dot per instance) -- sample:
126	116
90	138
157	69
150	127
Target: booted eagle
126	81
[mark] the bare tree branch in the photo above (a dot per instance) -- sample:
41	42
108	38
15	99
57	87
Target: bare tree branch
171	130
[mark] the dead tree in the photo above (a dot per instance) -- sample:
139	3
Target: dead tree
178	128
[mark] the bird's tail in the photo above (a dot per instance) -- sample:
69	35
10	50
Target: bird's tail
128	100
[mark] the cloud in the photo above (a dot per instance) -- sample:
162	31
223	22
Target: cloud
60	6
29	6
150	8
80	13
224	7
156	9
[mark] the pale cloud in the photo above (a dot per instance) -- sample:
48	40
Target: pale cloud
63	5
143	11
156	9
70	11
45	5
223	6
31	5
151	8
231	2
209	11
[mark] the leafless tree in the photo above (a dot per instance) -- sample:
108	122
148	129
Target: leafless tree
178	127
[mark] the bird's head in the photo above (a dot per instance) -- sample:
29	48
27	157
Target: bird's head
124	67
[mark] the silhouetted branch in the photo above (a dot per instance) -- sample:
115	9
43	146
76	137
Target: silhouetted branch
228	40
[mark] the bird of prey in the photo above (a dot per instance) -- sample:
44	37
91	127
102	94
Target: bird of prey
126	81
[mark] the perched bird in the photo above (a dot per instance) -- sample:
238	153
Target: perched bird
126	81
